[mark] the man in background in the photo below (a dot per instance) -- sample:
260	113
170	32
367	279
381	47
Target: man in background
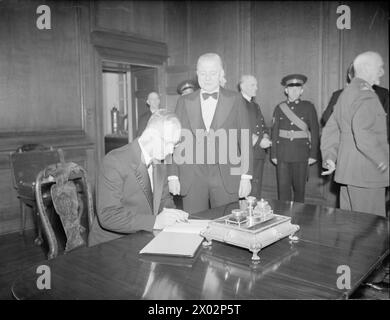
153	103
260	138
295	136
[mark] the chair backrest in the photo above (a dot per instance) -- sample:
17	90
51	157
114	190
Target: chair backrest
27	161
71	199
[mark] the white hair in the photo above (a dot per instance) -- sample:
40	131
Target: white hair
245	78
216	57
364	64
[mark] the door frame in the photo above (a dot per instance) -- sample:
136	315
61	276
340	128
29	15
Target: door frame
119	48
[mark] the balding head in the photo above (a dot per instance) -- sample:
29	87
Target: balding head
369	66
248	85
153	101
210	72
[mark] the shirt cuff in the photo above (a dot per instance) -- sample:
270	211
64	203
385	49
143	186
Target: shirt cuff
171	178
246	176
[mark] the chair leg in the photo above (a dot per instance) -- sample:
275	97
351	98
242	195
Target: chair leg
38	240
22	218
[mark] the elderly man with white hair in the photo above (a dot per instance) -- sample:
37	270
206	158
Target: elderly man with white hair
260	137
354	140
217	126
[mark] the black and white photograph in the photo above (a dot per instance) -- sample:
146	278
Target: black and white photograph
194	156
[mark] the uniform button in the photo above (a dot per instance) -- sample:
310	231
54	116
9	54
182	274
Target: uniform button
292	108
291	123
302	118
277	141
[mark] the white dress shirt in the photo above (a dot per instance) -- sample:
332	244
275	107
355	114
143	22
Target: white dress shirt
208	107
148	160
246	97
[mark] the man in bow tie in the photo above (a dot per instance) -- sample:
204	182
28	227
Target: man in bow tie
216	132
260	138
132	192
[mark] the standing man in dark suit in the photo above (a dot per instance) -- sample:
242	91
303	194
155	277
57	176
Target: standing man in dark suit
354	140
295	136
216	140
259	134
132	191
153	102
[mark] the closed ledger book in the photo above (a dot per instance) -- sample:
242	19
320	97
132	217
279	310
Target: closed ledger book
180	239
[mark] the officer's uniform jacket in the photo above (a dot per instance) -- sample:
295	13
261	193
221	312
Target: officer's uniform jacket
257	126
355	137
298	149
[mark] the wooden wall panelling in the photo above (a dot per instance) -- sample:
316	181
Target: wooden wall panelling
140	18
220	35
176	37
47	90
40	74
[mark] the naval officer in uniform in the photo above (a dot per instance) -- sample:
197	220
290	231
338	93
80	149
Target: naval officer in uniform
295	136
260	138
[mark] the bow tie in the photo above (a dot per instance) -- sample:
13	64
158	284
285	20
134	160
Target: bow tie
206	95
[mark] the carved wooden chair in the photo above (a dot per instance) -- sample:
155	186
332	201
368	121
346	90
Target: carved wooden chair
26	162
71	201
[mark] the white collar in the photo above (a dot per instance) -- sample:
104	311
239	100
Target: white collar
204	91
246	97
147	158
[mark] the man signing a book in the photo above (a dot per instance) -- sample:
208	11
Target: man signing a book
132	192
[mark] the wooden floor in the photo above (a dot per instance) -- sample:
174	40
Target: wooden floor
18	252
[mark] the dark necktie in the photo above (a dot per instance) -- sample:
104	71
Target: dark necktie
206	95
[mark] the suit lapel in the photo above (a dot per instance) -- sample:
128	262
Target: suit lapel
141	172
158	182
222	111
194	112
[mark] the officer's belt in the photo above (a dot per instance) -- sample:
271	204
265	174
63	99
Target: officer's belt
291	134
297	121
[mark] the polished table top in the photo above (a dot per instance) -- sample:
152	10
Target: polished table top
307	269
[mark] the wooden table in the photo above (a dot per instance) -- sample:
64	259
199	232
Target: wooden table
307	269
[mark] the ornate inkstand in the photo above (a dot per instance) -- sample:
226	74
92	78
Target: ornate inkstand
253	227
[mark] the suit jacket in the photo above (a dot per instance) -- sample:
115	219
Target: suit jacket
296	150
355	137
143	121
230	113
124	204
258	127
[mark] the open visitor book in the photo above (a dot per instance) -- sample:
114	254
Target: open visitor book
180	239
